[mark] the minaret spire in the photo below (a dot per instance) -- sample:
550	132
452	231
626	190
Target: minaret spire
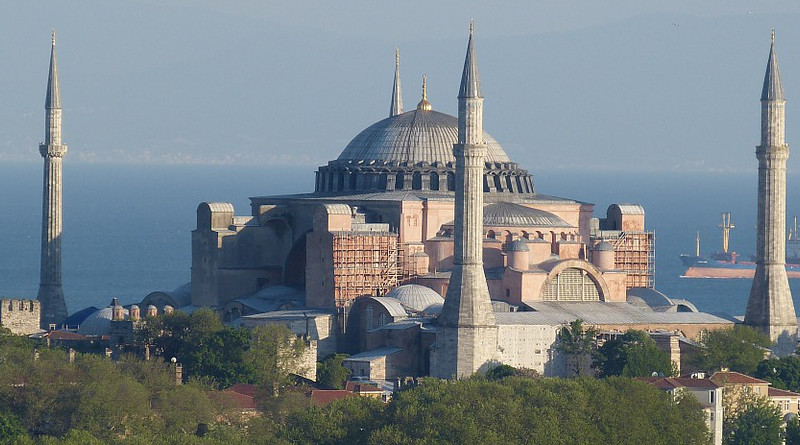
770	308
466	334
51	295
773	86
397	94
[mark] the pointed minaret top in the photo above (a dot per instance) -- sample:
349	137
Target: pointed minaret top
773	87
397	95
424	105
53	98
470	79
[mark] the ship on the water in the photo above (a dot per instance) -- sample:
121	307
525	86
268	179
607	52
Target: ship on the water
727	264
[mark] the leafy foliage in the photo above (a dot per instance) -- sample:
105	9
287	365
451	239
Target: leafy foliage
577	343
759	423
203	344
782	372
274	352
330	372
633	354
739	349
792	434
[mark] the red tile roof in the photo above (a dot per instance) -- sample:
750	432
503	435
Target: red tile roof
775	392
736	378
354	386
244	389
241	401
681	382
65	335
327	396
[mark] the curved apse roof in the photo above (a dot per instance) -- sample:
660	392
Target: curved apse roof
506	214
413	137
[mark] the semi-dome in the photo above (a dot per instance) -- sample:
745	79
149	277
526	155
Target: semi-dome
416	298
507	214
413	137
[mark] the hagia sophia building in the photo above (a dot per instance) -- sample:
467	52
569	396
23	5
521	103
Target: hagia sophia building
363	263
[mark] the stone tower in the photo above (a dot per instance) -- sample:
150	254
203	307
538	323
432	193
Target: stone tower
51	295
770	308
466	333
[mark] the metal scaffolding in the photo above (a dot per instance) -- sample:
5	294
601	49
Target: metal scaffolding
363	264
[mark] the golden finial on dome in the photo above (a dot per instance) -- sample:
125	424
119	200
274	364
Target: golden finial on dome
424	105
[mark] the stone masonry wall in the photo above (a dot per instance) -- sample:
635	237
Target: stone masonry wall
22	317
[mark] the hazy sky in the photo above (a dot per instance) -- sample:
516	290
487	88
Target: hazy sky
568	84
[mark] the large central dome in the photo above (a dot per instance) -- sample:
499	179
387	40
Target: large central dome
414	151
413	137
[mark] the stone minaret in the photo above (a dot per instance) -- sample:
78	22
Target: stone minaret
397	95
466	333
54	309
770	308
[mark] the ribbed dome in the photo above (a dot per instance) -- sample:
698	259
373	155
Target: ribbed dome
414	136
416	298
506	214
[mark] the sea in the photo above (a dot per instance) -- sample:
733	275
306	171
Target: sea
127	228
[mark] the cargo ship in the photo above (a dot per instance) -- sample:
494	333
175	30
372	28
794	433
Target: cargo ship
727	264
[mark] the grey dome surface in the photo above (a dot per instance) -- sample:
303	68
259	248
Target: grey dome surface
603	247
416	298
518	245
98	323
414	136
506	214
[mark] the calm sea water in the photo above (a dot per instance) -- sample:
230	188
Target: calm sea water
127	228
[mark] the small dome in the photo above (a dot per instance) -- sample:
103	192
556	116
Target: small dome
98	323
518	245
603	247
416	298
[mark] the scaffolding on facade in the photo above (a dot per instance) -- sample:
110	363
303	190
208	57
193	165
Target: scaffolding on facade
634	252
363	264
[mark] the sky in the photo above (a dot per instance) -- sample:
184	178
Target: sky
579	85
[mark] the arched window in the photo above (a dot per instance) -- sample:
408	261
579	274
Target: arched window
416	181
571	284
451	181
368	314
434	181
490	234
382	319
399	180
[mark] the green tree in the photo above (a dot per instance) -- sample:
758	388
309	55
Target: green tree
792	434
759	423
11	428
330	372
633	354
739	349
500	372
782	372
202	344
275	353
347	421
577	342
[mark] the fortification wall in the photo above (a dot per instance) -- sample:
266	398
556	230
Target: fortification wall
22	317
